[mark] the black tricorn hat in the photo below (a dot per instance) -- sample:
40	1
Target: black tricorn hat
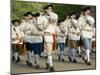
46	7
28	13
86	8
37	14
16	20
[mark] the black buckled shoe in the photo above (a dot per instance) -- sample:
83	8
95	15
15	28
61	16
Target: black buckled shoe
45	57
13	59
41	56
70	60
47	66
80	56
88	63
51	69
93	51
28	63
62	60
18	60
84	60
37	66
74	61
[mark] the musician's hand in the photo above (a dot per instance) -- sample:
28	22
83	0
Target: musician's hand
85	14
47	33
78	34
20	39
42	33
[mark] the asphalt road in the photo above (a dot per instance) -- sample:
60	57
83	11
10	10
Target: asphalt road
22	67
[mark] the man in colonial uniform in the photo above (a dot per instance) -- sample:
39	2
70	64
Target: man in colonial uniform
48	35
17	38
61	32
26	27
73	33
37	36
86	24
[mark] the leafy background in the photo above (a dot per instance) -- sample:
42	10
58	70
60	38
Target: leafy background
18	8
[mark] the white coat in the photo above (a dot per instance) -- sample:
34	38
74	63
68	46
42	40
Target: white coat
17	35
53	18
73	33
86	26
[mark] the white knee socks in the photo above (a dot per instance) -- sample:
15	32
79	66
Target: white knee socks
29	56
37	59
16	55
62	55
73	53
79	50
50	60
88	55
70	52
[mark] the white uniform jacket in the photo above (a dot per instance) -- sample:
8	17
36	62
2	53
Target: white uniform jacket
38	29
26	27
17	35
61	33
86	24
73	32
53	18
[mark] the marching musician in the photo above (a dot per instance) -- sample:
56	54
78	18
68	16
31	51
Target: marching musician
73	33
37	36
86	24
17	38
26	27
49	33
61	33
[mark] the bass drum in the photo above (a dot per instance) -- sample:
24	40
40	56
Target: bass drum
22	49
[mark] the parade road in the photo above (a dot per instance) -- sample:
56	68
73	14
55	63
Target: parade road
22	67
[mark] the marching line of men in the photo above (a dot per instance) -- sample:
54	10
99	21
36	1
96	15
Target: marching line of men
40	31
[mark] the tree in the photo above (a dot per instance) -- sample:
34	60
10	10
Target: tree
18	8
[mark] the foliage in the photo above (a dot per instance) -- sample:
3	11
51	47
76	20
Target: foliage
18	8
